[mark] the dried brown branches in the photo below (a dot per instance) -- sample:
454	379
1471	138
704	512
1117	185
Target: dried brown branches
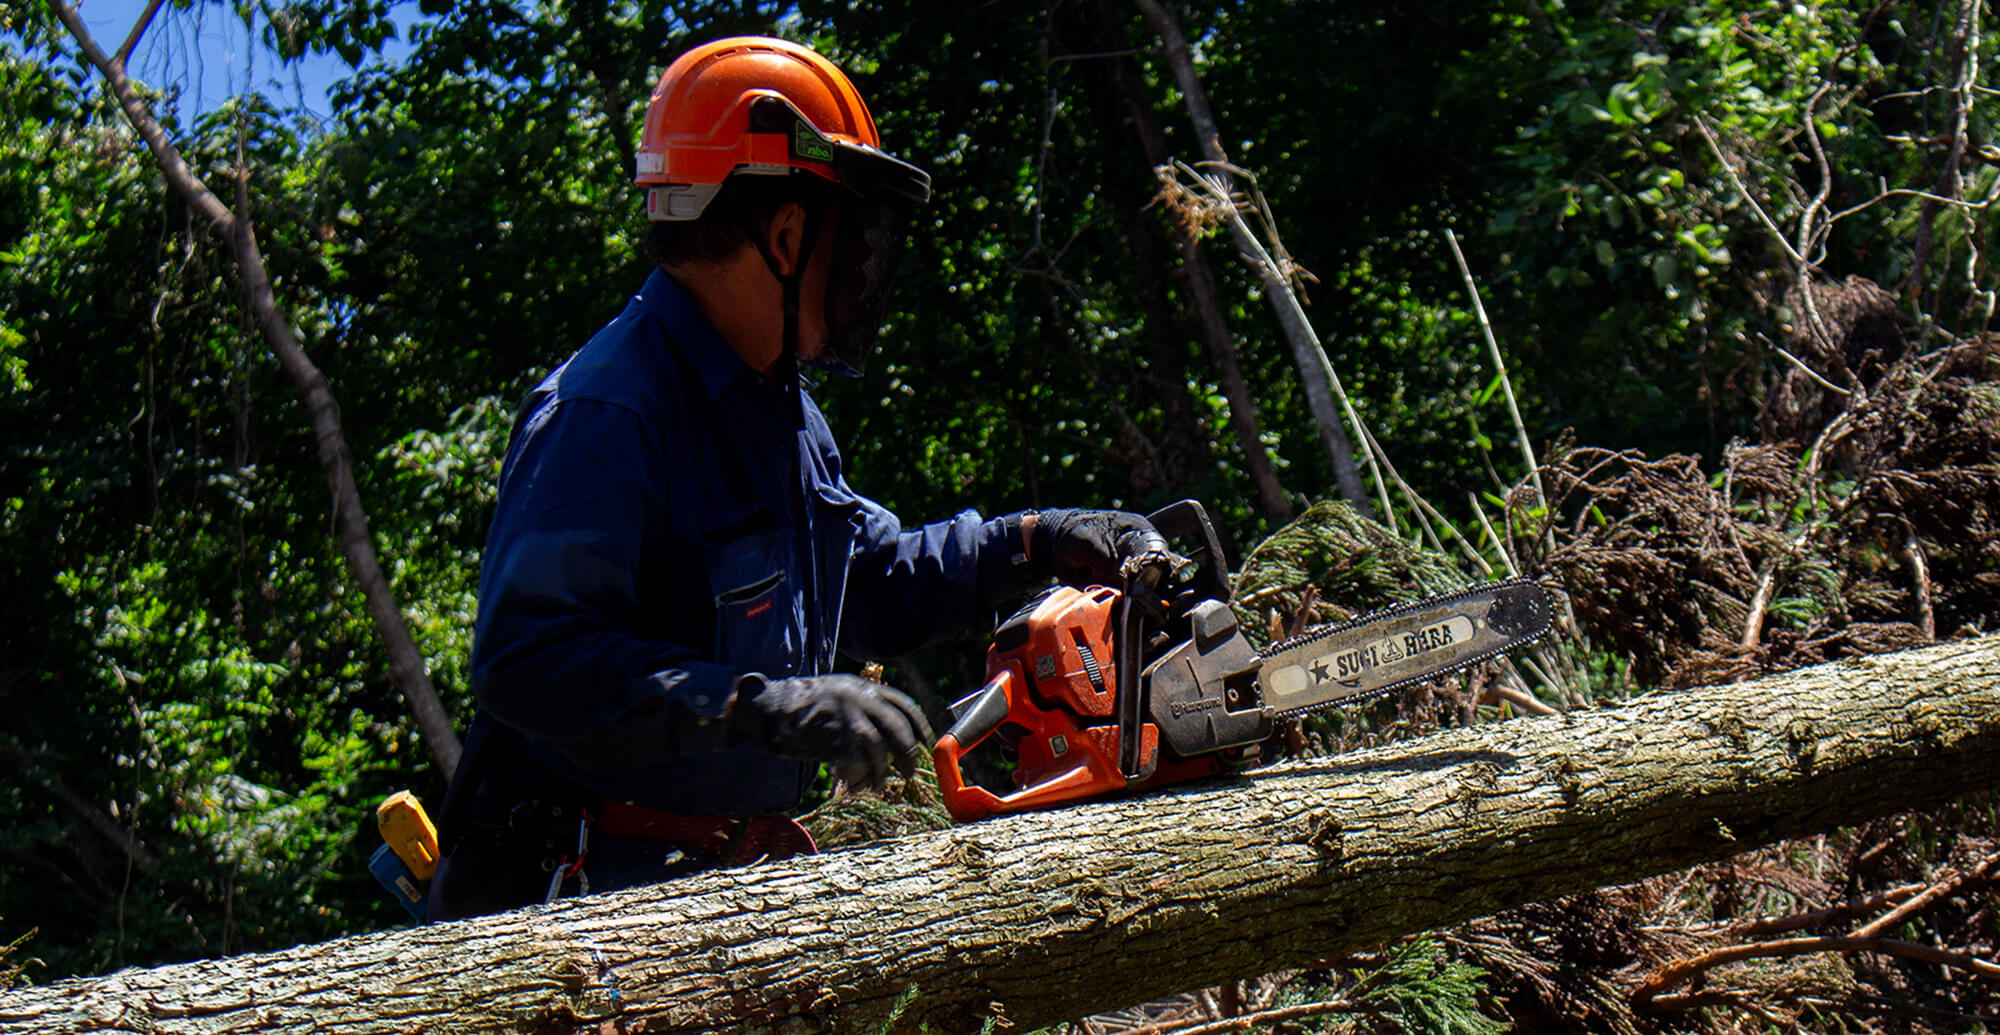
1933	941
1881	535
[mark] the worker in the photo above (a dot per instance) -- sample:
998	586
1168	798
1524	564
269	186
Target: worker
676	553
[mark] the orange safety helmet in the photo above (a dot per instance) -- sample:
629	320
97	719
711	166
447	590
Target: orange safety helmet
754	105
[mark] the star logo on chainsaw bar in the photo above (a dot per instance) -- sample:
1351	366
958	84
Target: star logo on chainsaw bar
1319	671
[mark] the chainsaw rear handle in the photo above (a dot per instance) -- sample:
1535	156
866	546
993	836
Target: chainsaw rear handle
984	711
1091	751
1061	723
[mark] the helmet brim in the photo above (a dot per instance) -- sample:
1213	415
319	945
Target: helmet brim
869	173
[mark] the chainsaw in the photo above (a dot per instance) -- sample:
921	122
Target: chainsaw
1100	690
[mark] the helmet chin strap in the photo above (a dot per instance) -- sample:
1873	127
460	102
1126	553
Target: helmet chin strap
787	369
787	373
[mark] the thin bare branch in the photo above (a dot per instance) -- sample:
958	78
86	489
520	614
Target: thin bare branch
93	817
1950	885
1249	1020
1811	237
1521	698
1505	547
1910	192
1418	508
1308	352
1758	927
1687	970
138	29
179	176
1964	72
1127	52
1743	192
1499	365
1731	1000
1804	369
1926	614
1532	704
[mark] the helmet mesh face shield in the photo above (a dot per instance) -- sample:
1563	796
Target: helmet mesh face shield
870	223
868	240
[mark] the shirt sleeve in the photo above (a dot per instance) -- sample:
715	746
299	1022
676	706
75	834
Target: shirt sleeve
907	589
556	652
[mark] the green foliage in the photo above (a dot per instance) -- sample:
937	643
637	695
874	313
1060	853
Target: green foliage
198	723
1431	993
1330	565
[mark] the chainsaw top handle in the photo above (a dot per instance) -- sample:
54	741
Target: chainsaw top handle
1187	521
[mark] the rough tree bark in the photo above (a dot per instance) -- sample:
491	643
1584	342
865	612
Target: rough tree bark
1049	916
406	662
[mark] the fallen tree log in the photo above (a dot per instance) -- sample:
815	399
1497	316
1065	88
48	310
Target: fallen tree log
1039	918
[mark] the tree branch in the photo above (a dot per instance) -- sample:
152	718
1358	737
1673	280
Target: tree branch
1205	309
82	808
1308	354
1499	365
1950	885
1687	970
179	176
1246	1021
406	662
1763	925
138	29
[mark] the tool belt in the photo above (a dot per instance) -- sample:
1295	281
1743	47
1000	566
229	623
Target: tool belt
515	834
558	833
727	841
737	842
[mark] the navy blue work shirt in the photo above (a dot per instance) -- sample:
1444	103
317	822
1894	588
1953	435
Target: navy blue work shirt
647	550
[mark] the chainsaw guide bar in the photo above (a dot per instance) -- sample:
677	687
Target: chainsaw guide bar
1096	690
1393	648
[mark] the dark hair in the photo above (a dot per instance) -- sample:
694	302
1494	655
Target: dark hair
724	226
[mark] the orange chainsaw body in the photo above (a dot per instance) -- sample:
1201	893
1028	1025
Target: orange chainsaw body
1051	695
1053	698
1100	690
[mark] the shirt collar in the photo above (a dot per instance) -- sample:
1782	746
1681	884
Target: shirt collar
717	364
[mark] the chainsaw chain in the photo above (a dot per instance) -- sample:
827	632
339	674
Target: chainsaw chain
1483	589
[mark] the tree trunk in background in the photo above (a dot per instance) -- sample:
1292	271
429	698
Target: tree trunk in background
1049	916
1205	311
1305	347
1184	452
350	520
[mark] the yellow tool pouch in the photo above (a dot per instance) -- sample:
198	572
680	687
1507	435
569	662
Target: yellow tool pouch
409	853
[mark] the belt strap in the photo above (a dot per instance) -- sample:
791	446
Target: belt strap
738	842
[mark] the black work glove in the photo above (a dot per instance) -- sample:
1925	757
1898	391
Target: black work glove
860	727
1090	547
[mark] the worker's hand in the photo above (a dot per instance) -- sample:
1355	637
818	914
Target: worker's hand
1095	547
860	727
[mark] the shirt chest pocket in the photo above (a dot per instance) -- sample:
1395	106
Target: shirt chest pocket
759	625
